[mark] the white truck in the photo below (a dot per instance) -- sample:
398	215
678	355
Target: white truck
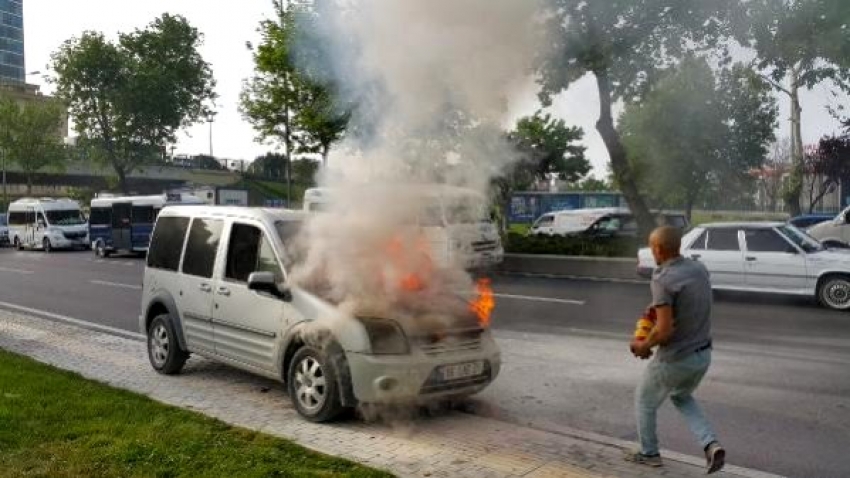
47	224
455	221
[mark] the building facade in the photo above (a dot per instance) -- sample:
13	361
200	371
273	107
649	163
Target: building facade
12	64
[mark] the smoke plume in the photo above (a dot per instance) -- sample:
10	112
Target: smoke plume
430	81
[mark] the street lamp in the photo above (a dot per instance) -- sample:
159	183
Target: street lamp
210	120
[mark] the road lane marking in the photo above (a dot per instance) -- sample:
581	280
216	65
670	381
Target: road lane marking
539	299
70	320
572	277
18	271
116	284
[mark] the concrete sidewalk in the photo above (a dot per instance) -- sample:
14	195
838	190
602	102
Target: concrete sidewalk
449	445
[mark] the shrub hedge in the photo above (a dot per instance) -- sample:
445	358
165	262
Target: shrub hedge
571	246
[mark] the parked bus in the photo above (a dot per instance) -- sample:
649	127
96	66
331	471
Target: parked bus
47	224
125	223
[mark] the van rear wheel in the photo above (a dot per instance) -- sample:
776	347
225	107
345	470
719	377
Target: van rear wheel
100	250
18	244
313	387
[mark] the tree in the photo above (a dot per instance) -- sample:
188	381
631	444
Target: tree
130	98
592	184
798	44
304	172
623	45
827	165
750	114
674	137
547	150
31	135
283	101
270	165
770	176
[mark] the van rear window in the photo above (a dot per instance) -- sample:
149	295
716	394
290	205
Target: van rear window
167	243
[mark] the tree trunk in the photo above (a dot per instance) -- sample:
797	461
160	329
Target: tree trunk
619	162
795	188
122	179
29	183
326	149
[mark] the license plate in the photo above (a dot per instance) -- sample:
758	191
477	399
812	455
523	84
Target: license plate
461	370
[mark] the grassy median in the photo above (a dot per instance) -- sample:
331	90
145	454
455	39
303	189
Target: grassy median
57	424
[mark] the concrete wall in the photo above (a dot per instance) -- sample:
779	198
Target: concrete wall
570	266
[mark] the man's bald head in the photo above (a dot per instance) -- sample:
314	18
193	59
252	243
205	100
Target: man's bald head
665	243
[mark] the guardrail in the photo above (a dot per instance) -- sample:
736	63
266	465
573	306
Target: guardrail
570	266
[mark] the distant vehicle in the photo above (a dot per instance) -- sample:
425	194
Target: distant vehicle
125	223
599	222
215	284
808	220
834	233
47	224
770	257
4	231
455	221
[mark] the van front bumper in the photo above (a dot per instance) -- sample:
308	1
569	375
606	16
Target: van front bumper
59	241
419	377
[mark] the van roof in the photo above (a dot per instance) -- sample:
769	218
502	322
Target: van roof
45	203
593	210
154	200
242	212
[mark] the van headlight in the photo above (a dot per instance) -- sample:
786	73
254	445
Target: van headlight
385	336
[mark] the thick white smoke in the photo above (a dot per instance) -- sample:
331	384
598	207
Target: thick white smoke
431	81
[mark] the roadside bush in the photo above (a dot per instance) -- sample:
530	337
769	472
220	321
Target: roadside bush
571	246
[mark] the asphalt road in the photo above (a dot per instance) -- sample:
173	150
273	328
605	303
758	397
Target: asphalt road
778	392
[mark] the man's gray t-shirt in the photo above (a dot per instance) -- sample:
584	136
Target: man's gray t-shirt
684	285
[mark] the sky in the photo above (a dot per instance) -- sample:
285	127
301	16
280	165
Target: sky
228	25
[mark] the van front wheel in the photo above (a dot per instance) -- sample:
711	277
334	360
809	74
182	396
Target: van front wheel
46	245
313	387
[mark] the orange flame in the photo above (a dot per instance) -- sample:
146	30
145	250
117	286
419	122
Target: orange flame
412	262
483	306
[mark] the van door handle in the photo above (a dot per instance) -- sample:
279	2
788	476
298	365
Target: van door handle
223	291
750	259
206	288
695	257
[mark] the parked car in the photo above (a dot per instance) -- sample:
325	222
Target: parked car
215	284
767	257
808	220
834	233
599	222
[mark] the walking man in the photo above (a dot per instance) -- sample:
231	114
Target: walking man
681	296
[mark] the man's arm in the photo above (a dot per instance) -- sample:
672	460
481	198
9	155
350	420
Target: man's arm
663	330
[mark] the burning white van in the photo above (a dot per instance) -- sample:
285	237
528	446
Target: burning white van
455	221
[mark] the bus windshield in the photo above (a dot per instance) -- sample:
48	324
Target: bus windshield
466	211
65	217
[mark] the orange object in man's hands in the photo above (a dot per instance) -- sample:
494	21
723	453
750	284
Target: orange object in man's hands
645	324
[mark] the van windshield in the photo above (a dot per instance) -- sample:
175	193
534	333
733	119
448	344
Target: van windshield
65	217
466	211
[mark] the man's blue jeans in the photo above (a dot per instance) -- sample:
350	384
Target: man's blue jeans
678	380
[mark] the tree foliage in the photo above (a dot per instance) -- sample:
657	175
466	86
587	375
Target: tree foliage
132	96
827	165
693	136
548	149
798	44
31	135
623	44
270	165
284	101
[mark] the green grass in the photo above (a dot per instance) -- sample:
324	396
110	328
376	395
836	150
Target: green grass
57	424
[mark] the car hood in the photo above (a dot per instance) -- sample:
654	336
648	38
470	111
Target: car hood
831	256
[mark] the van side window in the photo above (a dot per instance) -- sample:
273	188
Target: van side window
167	243
17	218
41	219
143	215
201	247
248	251
100	216
545	221
699	243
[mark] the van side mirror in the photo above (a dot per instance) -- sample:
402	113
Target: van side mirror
265	282
847	217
